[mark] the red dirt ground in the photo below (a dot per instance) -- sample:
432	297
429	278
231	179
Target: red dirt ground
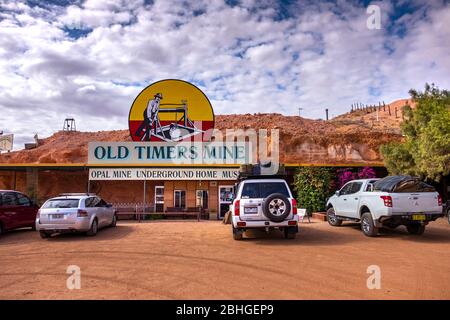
200	260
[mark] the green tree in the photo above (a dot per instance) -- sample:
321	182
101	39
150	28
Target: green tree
425	151
313	185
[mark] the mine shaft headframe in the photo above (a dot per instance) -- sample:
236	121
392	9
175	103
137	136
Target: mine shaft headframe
69	125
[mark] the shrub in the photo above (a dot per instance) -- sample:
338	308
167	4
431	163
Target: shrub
345	175
313	185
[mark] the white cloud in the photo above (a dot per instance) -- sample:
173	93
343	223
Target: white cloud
247	58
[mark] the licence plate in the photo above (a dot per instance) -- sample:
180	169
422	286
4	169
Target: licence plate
251	210
57	216
419	217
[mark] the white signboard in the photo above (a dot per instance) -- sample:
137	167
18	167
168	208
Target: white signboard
6	142
163	174
170	153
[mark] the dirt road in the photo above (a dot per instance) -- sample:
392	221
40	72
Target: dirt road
191	260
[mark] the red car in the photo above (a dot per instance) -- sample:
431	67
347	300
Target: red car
16	211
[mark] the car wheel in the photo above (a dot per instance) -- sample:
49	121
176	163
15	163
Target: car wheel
33	227
448	215
276	207
237	234
416	229
1	229
114	221
367	225
94	229
44	235
289	234
332	219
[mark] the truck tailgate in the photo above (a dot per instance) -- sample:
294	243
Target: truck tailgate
420	202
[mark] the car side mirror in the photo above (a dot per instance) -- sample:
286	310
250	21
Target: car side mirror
337	193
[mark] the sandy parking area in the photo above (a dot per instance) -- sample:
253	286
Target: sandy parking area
191	260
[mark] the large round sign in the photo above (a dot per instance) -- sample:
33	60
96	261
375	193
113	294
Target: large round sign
171	111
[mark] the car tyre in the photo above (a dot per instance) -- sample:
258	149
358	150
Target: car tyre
416	229
44	235
94	229
276	207
332	219
1	229
114	221
448	215
368	226
237	234
289	234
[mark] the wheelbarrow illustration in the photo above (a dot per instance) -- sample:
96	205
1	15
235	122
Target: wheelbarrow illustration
181	128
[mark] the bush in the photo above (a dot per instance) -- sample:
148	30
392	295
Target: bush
425	151
313	185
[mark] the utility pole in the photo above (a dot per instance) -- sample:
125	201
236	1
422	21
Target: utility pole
299	111
326	112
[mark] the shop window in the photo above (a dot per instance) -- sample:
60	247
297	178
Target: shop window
180	199
201	199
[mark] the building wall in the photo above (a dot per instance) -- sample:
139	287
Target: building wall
191	188
10	180
51	183
7	180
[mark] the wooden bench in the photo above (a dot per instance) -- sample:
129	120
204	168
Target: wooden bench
184	212
136	211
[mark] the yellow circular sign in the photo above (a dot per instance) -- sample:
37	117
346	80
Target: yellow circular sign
171	110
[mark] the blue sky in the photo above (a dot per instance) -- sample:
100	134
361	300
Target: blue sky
89	59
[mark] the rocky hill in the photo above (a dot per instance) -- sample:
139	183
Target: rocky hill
385	118
351	138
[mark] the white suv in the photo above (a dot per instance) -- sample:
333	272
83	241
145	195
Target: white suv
264	204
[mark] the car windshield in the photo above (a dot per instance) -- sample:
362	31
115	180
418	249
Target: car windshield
263	189
61	203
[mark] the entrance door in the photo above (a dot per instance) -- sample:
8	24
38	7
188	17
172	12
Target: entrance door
225	199
201	199
159	199
179	199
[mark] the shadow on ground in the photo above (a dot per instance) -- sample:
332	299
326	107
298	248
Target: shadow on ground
24	236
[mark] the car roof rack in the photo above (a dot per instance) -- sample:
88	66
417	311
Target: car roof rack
76	194
243	177
256	171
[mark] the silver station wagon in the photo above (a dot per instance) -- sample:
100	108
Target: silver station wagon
74	213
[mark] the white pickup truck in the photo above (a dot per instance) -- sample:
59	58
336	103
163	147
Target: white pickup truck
388	202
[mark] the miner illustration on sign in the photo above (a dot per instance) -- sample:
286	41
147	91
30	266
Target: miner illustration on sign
150	117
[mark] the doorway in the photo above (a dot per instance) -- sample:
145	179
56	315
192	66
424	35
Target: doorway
179	199
159	199
225	199
201	199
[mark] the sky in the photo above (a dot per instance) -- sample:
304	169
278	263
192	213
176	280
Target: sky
90	59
